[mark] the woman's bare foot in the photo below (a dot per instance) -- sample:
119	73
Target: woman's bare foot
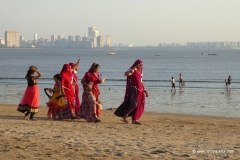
26	117
125	120
136	122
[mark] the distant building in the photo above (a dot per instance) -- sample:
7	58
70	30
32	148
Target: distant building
108	41
35	37
130	45
71	38
53	38
22	40
78	41
2	42
92	31
78	38
11	39
85	38
100	42
60	37
94	42
71	42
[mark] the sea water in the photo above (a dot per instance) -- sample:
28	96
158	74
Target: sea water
203	75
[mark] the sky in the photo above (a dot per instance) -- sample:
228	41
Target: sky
137	22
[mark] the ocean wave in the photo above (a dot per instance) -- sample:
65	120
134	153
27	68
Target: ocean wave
145	80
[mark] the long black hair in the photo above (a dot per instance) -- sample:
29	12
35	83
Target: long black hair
58	77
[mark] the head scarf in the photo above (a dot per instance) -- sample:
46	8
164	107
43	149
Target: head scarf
66	69
136	63
92	68
71	64
66	74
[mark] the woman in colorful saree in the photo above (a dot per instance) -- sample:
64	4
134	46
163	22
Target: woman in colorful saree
91	107
76	88
134	100
68	90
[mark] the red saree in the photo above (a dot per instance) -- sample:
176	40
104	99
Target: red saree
89	109
134	100
76	90
66	83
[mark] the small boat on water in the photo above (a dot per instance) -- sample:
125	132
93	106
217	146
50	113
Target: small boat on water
111	53
157	54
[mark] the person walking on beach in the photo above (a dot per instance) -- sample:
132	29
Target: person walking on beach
134	99
180	80
57	102
76	88
30	100
173	84
91	107
229	81
68	90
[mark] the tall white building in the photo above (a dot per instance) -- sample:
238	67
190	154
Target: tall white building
100	42
35	37
108	41
2	42
11	39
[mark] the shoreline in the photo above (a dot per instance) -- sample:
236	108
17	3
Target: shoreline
162	136
218	103
147	112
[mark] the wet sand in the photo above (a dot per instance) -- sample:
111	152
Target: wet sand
162	136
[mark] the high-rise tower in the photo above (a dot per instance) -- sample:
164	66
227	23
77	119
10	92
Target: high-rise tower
11	39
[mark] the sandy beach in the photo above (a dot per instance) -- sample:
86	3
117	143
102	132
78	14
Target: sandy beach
162	136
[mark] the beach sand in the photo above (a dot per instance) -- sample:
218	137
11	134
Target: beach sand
162	136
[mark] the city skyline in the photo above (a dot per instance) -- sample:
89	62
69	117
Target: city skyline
91	40
136	22
94	40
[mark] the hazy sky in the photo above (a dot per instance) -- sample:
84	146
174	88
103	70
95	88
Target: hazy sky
140	22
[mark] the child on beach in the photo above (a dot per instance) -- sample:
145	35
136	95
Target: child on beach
57	101
30	100
226	82
173	84
183	83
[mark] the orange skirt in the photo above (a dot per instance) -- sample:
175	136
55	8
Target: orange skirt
30	99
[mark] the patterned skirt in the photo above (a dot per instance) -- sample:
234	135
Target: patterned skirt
30	100
88	109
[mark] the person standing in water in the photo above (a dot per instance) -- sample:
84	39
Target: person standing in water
173	84
229	81
180	80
